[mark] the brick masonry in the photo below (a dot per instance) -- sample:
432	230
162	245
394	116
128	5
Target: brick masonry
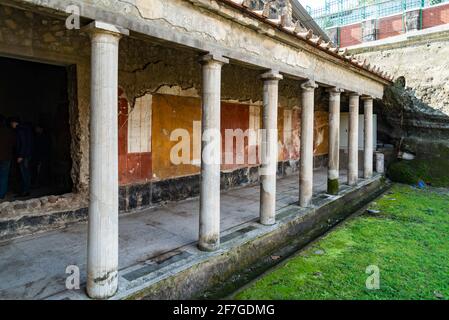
396	25
390	26
435	16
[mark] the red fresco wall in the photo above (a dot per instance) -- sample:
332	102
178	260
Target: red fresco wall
291	151
133	167
295	151
173	112
234	116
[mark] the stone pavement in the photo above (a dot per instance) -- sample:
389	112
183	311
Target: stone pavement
33	267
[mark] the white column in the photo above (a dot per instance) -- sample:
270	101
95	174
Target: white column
306	161
334	141
269	148
353	161
102	250
209	231
368	137
380	163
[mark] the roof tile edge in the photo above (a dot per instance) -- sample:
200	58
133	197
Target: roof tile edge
310	38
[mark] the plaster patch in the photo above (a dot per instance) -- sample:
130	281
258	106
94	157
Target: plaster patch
139	125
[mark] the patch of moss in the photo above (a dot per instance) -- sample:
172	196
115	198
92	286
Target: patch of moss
432	171
402	235
402	172
332	186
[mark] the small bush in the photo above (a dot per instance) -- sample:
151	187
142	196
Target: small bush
402	172
434	172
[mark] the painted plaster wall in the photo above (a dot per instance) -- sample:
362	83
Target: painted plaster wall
144	68
135	161
172	113
174	116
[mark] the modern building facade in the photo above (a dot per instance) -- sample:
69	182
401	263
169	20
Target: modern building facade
352	22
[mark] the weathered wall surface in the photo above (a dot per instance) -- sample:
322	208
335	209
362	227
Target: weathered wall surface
237	36
149	75
414	113
424	63
172	77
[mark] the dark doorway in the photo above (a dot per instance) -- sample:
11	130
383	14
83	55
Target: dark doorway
36	94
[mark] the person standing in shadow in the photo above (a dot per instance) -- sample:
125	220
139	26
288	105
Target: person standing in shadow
7	143
41	156
24	152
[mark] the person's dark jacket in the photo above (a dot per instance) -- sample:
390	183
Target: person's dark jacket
7	143
24	141
41	146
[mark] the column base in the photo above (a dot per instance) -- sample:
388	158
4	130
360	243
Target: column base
103	287
352	183
268	222
332	186
305	203
367	176
209	247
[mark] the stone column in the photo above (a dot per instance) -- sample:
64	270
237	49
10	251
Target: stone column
353	161
380	163
269	148
306	161
102	249
368	138
334	141
209	231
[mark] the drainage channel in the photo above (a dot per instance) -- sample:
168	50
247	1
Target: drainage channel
275	259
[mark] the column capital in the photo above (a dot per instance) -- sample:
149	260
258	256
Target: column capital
335	91
354	94
367	98
103	27
213	58
309	85
271	75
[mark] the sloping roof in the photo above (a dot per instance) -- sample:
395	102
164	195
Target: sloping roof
307	21
278	14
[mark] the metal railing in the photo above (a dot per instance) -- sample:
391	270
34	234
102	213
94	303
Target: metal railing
337	13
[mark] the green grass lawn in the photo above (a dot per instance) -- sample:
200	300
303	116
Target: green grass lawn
408	240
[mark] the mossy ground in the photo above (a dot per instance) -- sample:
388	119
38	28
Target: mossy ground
406	240
435	172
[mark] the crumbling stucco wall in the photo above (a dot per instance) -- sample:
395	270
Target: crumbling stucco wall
28	35
150	69
422	60
33	36
144	68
